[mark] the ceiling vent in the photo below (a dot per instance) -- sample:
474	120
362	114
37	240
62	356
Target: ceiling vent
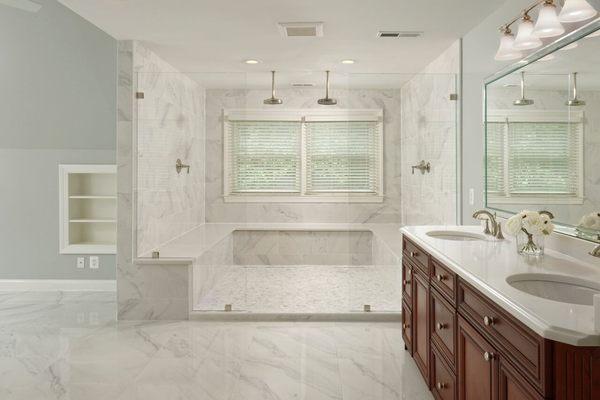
301	29
303	85
399	34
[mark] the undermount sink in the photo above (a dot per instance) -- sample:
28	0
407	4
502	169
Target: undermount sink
456	235
564	289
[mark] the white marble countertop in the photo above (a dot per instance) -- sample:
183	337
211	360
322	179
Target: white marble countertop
186	248
487	264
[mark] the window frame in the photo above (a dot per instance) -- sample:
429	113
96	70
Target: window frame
302	115
542	116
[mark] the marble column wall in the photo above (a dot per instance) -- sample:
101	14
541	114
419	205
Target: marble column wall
429	132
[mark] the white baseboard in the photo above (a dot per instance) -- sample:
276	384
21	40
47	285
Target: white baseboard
57	285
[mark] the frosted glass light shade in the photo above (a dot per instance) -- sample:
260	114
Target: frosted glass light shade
547	24
576	11
526	39
506	51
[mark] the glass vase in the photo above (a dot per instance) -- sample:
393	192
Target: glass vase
531	245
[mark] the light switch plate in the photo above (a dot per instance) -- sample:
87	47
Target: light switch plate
471	197
80	262
94	262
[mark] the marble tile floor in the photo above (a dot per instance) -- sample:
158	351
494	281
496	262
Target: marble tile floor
69	346
306	289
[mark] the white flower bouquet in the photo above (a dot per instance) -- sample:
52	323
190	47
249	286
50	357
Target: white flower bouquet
530	228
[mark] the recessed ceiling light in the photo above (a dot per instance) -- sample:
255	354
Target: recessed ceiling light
252	62
348	61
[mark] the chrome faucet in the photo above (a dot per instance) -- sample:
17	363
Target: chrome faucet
596	251
496	227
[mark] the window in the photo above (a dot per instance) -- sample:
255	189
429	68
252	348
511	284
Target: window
534	157
303	155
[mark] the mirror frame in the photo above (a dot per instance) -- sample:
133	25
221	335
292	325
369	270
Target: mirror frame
550	48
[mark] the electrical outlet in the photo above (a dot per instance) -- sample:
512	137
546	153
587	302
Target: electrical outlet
80	262
471	196
94	262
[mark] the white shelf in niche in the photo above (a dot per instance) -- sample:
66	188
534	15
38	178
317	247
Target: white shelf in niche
88	209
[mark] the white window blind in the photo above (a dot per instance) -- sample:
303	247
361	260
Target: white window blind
265	156
535	159
342	156
303	155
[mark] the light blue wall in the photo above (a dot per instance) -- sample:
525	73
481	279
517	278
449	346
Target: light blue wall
58	79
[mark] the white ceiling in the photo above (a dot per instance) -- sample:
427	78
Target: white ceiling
216	36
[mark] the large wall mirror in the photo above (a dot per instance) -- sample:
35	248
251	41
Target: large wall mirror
542	126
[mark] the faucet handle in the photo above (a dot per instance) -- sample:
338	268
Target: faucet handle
499	234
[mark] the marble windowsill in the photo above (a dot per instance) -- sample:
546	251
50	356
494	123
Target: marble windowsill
487	264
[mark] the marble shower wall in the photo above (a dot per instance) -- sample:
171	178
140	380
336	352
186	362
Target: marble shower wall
219	211
429	132
502	98
167	124
171	126
302	247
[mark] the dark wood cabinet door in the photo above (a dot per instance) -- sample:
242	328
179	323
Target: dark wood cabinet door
512	386
477	365
407	272
421	322
407	327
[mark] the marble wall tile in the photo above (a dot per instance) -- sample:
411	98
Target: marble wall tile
211	268
429	132
170	126
219	211
302	248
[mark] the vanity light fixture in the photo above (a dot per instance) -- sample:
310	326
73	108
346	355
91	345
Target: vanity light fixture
574	101
526	39
506	51
576	11
548	25
523	101
327	101
272	100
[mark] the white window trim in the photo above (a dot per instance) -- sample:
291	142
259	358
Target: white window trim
506	116
302	115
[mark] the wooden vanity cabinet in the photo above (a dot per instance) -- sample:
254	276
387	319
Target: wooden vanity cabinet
469	348
420	310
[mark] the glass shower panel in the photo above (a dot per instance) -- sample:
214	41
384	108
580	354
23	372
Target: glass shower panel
307	193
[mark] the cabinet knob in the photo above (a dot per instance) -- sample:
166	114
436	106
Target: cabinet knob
488	356
405	326
405	282
440	326
414	254
441	385
440	277
488	321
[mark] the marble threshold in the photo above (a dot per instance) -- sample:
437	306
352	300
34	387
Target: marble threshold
486	265
185	249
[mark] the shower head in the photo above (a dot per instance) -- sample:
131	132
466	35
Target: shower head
575	102
327	101
272	100
523	101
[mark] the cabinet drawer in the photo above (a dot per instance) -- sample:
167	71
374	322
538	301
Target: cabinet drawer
407	277
443	380
415	254
407	327
526	350
444	279
443	326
